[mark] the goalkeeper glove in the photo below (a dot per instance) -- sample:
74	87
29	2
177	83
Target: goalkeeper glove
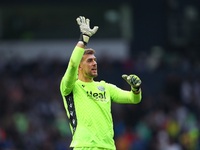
134	81
86	32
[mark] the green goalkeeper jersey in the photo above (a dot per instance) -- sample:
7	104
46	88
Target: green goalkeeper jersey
88	106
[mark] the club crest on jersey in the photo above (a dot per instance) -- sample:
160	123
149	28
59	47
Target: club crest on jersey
101	88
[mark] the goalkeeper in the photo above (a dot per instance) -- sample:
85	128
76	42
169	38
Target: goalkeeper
88	102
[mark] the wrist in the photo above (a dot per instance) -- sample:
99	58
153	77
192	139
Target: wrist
136	90
84	38
81	44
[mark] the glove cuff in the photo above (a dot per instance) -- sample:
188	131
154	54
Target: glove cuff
85	38
136	90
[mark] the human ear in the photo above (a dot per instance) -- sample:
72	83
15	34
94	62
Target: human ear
80	68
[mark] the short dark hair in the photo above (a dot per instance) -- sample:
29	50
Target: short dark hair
89	51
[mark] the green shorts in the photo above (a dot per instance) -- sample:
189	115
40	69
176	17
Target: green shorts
88	148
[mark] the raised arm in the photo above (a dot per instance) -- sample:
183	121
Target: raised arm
71	73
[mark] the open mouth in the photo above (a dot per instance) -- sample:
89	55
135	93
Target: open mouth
94	69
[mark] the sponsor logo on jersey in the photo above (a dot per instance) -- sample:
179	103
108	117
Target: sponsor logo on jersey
98	96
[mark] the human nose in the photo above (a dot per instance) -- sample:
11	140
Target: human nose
94	62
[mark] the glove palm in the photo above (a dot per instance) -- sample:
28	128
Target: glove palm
86	31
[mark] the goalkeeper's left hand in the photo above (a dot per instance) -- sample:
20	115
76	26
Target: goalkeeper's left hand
134	81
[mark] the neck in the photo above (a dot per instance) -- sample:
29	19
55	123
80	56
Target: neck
85	79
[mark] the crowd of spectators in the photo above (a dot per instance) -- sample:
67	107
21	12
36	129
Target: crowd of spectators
32	115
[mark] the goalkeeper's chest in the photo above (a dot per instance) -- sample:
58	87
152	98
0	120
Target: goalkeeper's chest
89	93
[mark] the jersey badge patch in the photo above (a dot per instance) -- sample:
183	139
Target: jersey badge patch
101	88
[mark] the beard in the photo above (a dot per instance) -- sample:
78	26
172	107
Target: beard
91	75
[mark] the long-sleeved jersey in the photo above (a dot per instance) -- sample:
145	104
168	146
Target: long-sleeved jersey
88	106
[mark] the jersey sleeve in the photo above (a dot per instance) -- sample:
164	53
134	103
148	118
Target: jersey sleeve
122	96
71	73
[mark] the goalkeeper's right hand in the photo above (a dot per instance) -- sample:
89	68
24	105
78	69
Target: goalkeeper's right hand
86	32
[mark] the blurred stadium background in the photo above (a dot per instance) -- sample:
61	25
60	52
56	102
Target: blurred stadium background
158	40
